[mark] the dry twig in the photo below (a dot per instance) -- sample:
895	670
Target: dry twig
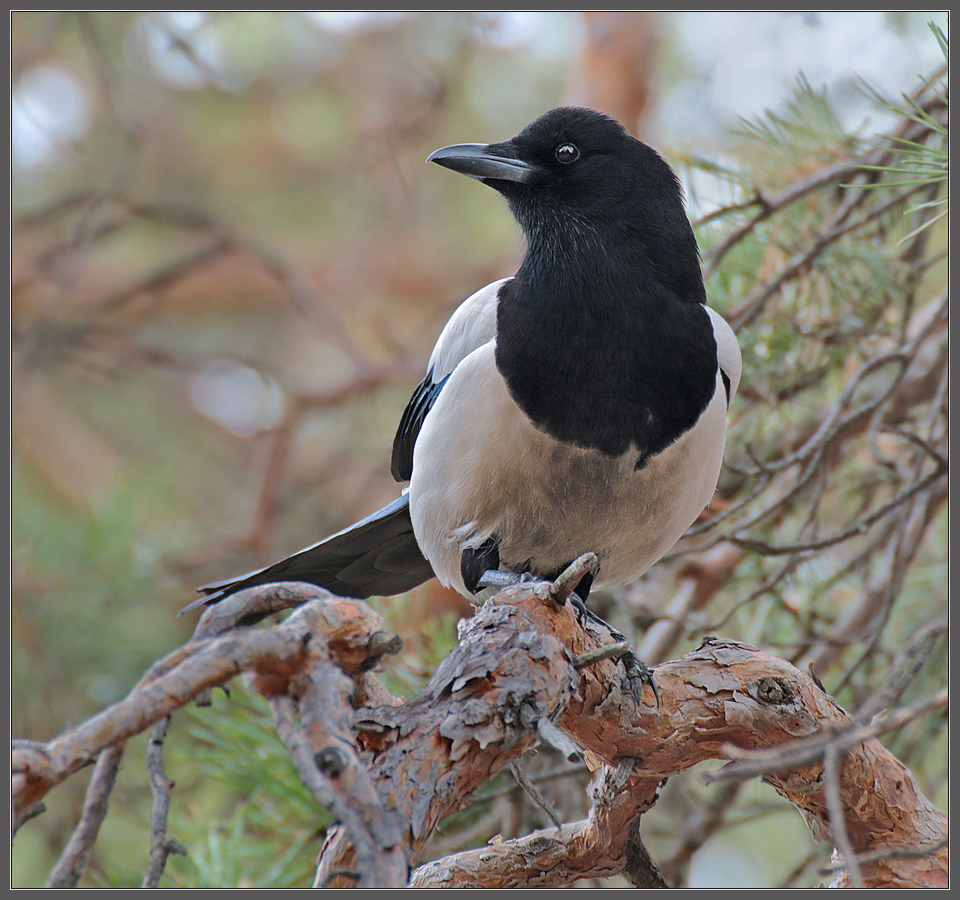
68	869
160	786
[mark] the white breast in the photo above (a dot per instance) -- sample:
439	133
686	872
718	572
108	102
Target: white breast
481	468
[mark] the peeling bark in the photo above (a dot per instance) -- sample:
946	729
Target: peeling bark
524	671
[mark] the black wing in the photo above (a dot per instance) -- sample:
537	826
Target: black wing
473	324
411	422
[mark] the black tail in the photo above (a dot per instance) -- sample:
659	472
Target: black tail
378	556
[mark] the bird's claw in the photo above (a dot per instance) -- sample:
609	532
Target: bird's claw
580	610
638	672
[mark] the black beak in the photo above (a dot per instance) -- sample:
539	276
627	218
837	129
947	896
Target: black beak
496	162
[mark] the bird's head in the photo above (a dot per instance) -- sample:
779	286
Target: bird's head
576	178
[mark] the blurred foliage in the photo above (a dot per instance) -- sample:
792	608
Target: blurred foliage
819	474
239	770
920	163
225	285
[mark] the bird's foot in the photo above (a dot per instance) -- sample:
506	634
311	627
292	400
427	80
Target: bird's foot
579	575
639	674
496	578
637	671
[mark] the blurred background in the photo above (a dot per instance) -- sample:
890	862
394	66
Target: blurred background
230	263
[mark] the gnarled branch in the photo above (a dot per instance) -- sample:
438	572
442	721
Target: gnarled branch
525	670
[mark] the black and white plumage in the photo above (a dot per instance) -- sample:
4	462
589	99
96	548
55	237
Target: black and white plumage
578	406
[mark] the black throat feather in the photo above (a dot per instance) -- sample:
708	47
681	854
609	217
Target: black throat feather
601	347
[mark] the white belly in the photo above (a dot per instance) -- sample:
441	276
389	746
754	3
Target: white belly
481	468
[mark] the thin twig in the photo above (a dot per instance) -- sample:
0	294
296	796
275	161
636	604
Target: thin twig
609	651
858	527
863	859
907	130
209	663
160	787
836	228
534	794
905	667
837	814
66	873
751	763
31	812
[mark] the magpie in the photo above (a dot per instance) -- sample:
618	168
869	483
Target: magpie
578	406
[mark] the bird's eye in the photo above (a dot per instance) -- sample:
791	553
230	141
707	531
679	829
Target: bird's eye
567	153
